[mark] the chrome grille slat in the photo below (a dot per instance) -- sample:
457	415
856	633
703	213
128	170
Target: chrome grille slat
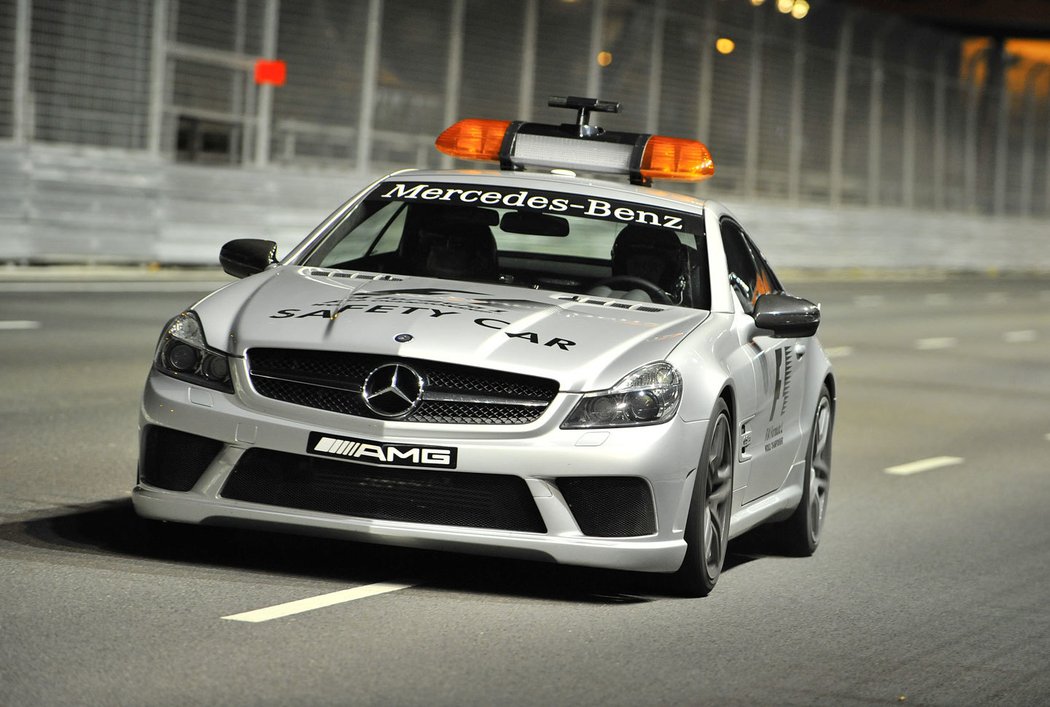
480	399
308	380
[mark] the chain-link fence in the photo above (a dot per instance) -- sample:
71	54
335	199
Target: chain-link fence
842	107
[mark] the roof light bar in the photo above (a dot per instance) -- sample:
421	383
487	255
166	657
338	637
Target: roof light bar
578	146
554	151
676	158
474	139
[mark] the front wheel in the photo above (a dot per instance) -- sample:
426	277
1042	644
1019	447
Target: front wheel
801	532
707	527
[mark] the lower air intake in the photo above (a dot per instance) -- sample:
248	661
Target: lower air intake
610	506
432	496
174	460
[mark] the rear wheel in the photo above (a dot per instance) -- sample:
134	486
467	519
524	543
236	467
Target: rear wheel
707	527
800	534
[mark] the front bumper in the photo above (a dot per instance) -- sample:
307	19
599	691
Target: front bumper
540	454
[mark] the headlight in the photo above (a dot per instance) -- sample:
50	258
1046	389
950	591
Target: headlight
183	353
648	396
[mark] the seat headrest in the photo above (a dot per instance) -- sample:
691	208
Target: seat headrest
457	250
646	238
652	253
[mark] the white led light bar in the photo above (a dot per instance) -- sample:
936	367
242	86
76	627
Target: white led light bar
571	153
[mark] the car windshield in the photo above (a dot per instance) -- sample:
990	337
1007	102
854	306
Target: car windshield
539	240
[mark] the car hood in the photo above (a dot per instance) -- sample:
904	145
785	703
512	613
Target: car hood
582	342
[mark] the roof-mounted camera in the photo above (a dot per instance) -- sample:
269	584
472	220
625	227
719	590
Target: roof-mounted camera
584	107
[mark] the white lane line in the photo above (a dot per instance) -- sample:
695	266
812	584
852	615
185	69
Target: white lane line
319	602
1024	336
938	299
839	351
14	324
923	465
110	287
936	343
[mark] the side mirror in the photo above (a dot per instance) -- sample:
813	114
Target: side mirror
247	256
786	316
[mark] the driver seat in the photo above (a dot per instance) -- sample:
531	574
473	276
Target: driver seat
651	253
458	251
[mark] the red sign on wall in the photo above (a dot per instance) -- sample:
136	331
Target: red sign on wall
270	72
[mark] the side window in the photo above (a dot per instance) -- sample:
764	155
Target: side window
378	233
767	281
743	275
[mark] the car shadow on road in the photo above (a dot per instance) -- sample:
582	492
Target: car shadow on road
108	531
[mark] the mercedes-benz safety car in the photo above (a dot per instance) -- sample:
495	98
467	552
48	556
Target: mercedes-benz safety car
519	361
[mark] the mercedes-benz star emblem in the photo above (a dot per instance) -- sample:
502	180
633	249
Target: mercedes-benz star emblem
393	390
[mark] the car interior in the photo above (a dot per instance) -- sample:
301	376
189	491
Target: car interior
633	262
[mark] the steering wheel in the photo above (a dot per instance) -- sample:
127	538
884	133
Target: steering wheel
630	282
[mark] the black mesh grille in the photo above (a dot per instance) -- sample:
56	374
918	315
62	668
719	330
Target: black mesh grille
174	460
321	398
334	366
414	496
610	506
333	381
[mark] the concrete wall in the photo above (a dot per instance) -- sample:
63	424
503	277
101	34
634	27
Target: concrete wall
892	239
64	204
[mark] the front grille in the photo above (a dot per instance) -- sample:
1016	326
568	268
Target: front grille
610	506
410	495
453	394
174	460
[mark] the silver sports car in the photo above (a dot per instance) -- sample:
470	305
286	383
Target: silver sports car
522	361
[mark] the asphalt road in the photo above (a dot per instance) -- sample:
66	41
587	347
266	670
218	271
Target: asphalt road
930	588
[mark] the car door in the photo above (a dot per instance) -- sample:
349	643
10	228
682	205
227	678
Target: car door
772	430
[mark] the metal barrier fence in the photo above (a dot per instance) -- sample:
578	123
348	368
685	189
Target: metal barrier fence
842	107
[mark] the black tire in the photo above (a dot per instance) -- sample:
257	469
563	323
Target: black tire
707	527
800	534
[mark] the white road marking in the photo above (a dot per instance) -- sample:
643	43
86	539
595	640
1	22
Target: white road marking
923	465
110	287
938	299
319	602
869	300
839	351
1023	336
936	343
997	297
13	324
